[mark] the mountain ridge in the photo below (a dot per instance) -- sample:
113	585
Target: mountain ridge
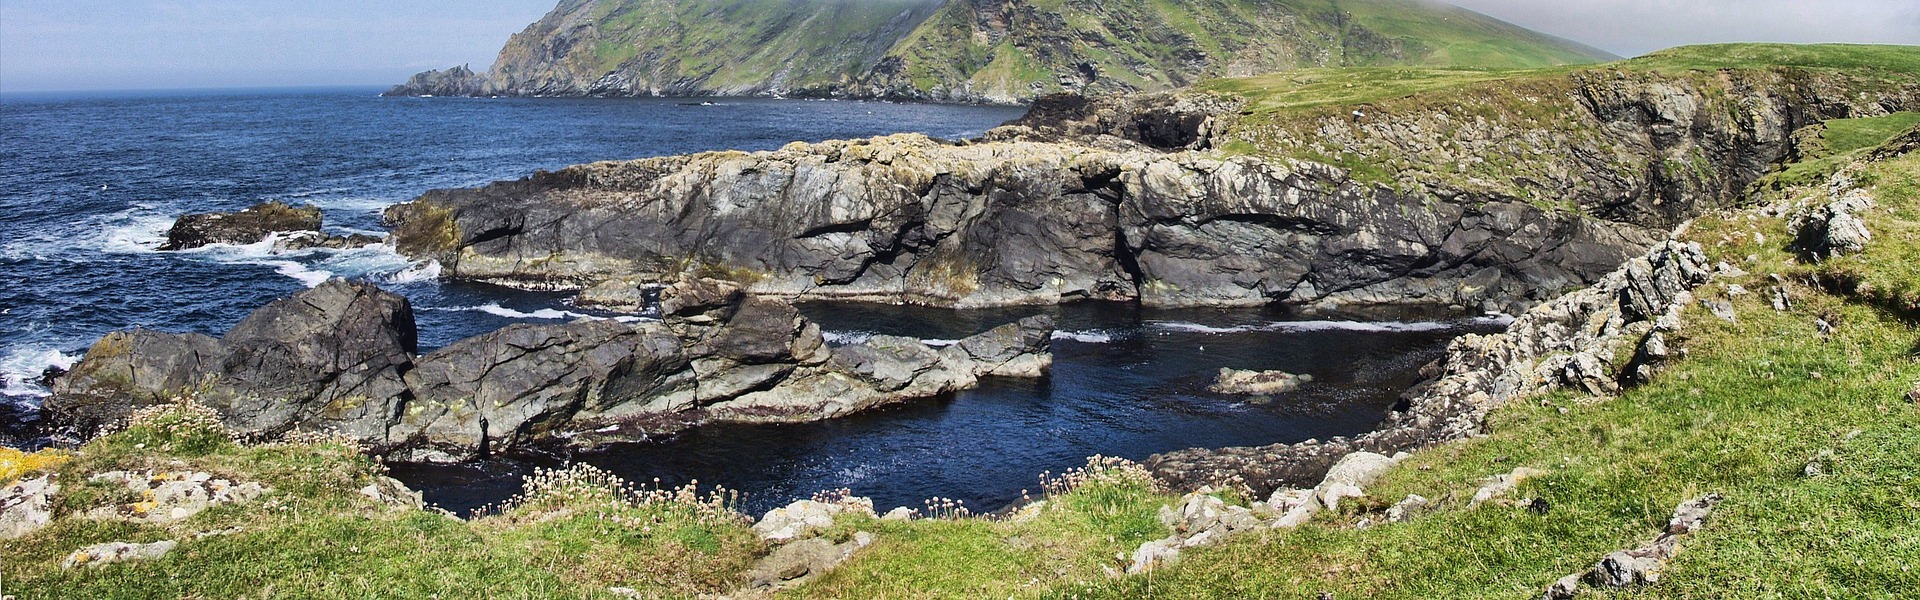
972	51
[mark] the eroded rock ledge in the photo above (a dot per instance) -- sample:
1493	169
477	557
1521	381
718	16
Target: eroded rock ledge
342	357
1120	199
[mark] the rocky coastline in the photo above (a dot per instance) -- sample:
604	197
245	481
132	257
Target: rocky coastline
1141	198
343	357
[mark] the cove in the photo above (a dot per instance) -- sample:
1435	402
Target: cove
1127	381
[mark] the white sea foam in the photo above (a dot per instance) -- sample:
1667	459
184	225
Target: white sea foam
415	274
1090	336
546	314
1309	326
136	231
23	365
939	343
847	337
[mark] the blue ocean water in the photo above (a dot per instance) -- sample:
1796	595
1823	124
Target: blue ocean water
89	184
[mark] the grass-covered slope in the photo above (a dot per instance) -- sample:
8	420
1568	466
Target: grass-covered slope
689	47
983	50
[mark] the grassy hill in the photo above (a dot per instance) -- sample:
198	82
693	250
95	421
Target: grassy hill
985	50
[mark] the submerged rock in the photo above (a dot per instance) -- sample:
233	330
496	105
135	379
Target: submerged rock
341	357
1233	381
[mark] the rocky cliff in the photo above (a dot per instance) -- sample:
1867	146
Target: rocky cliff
341	357
1002	51
1493	194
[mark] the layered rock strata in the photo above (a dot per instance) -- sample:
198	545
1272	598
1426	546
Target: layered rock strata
1119	200
342	357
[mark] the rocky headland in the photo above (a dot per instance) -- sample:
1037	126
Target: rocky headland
1494	196
343	357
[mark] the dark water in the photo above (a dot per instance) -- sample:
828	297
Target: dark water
1126	382
88	185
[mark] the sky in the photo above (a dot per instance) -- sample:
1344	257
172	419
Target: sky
142	44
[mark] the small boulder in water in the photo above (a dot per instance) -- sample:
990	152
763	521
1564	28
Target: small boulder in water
52	374
1233	381
248	226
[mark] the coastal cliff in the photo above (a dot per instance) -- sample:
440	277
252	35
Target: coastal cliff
1494	191
993	51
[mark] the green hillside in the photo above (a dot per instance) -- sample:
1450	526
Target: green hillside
1003	51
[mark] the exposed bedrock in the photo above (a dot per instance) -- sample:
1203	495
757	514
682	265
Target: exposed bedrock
1110	199
342	357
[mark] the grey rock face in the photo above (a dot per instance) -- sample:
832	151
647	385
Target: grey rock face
342	357
328	357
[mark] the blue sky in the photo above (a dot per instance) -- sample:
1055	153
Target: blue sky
134	44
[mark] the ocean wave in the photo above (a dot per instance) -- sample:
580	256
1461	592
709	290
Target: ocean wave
543	314
847	337
430	271
1090	336
22	366
1313	326
314	266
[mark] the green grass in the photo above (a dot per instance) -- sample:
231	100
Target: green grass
315	536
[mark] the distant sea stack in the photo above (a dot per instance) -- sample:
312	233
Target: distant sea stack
973	51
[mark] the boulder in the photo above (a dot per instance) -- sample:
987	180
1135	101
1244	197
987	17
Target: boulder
803	559
247	226
26	506
805	517
170	496
1498	486
1835	228
101	555
1255	383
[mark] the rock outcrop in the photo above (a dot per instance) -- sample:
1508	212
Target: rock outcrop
1580	340
1110	200
299	226
342	357
1640	566
1234	381
26	506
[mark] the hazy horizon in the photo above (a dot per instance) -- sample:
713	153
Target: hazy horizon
90	45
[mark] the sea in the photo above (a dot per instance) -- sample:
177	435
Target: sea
90	182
